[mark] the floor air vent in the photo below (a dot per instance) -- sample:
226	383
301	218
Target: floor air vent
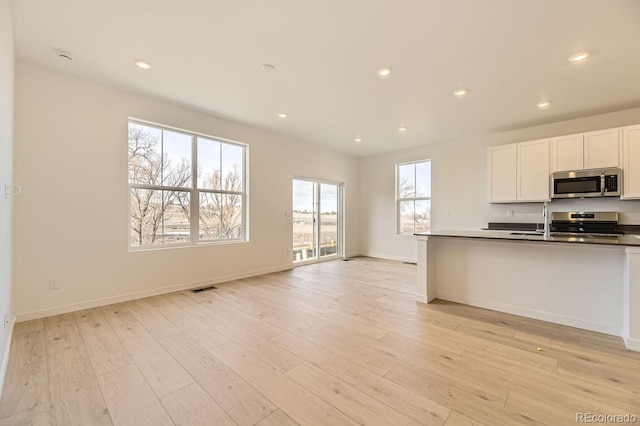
198	290
346	259
410	263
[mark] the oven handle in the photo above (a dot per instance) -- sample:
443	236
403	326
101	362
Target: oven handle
602	188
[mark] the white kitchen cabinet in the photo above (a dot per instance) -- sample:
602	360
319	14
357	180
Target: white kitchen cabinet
532	171
501	166
567	153
592	150
519	172
631	162
602	149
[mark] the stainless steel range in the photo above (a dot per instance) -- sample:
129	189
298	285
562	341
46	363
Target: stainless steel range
594	224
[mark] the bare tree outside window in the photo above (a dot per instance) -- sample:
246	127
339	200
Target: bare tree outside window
413	197
221	214
221	184
162	189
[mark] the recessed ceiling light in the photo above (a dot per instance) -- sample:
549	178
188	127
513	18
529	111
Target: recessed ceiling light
282	115
358	139
63	54
143	64
579	57
268	67
460	93
402	129
543	104
384	72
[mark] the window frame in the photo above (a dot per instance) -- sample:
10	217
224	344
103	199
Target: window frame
194	192
340	229
414	198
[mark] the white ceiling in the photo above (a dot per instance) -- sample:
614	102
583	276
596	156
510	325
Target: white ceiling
207	54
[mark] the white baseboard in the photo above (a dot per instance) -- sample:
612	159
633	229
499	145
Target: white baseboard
5	359
422	299
57	310
349	255
532	313
632	344
391	257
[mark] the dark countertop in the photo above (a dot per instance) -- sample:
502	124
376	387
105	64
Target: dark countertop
525	236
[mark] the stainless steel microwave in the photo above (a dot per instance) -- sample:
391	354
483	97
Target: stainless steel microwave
587	183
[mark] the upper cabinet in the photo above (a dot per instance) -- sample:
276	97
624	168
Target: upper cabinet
532	172
591	150
602	149
567	153
519	172
631	162
501	165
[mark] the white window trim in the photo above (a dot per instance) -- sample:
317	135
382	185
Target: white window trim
194	192
400	200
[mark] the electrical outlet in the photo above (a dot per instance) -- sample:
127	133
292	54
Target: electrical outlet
54	284
510	212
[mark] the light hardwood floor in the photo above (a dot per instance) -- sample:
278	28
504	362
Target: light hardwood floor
335	343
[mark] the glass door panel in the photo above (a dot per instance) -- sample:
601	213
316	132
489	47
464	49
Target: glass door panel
304	221
328	219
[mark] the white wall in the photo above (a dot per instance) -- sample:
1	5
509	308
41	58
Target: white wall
71	221
459	186
6	147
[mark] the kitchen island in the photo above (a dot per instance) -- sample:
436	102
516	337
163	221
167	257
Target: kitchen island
590	283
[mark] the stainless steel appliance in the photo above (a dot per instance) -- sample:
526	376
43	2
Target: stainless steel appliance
594	224
586	183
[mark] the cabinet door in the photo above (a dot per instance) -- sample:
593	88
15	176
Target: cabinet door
567	153
502	173
602	149
533	171
631	162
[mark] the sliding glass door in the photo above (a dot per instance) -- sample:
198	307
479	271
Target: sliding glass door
317	220
329	207
304	220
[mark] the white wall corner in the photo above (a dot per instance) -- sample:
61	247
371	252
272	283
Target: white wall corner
5	359
632	344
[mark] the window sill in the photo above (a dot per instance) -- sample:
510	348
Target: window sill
183	246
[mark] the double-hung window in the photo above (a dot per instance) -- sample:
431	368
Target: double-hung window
184	188
413	197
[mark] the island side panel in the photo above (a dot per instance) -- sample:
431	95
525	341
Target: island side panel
631	299
426	285
578	285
